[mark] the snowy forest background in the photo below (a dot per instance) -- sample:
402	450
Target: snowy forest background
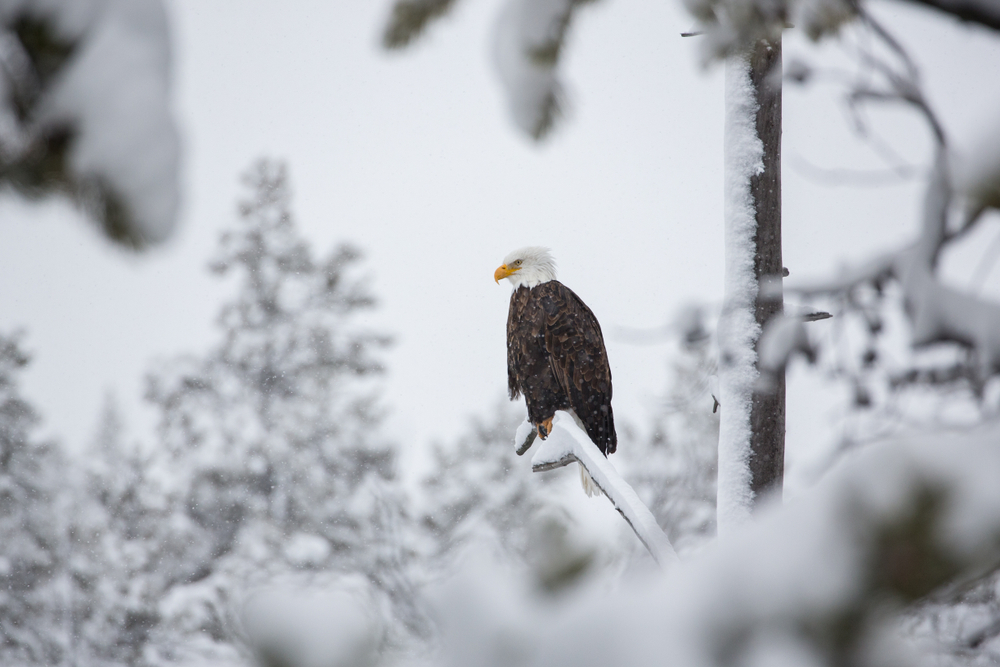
272	516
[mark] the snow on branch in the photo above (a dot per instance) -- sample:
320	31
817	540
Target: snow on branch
738	329
938	313
952	206
731	26
528	42
88	111
530	36
568	443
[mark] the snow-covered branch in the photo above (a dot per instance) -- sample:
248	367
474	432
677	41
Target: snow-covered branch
732	26
86	111
528	44
568	443
529	41
938	313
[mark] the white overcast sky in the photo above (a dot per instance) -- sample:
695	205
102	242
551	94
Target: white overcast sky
412	157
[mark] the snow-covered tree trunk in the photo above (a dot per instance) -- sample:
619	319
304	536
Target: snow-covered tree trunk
751	437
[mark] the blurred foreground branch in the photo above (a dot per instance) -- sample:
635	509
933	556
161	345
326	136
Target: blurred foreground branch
85	112
984	12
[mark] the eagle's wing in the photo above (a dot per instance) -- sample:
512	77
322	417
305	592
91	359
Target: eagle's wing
516	330
528	368
579	361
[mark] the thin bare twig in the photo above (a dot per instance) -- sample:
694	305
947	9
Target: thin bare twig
854	177
986	263
982	12
891	42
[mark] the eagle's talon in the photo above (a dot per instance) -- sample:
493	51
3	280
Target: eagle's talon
544	428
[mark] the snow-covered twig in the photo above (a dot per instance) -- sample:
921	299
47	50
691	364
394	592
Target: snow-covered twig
568	443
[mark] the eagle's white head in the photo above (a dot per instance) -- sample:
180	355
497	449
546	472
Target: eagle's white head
527	266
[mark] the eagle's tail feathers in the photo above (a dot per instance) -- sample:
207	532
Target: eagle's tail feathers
589	485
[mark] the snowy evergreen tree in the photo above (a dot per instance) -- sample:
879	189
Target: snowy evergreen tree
126	548
86	547
271	439
32	594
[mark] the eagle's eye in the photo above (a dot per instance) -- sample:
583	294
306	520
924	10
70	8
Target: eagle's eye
517	262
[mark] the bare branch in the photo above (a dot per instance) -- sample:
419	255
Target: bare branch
891	42
903	87
863	178
986	263
876	269
982	12
524	438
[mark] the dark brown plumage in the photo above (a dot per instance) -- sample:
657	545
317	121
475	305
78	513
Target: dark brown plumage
557	360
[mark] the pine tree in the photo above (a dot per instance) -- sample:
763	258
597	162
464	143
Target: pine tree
32	629
271	439
126	548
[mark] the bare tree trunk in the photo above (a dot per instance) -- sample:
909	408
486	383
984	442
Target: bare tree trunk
767	415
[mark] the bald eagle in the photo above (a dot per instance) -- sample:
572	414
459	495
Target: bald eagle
555	352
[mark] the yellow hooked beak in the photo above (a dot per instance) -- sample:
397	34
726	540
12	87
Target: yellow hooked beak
503	271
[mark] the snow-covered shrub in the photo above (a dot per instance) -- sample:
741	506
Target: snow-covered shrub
31	532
